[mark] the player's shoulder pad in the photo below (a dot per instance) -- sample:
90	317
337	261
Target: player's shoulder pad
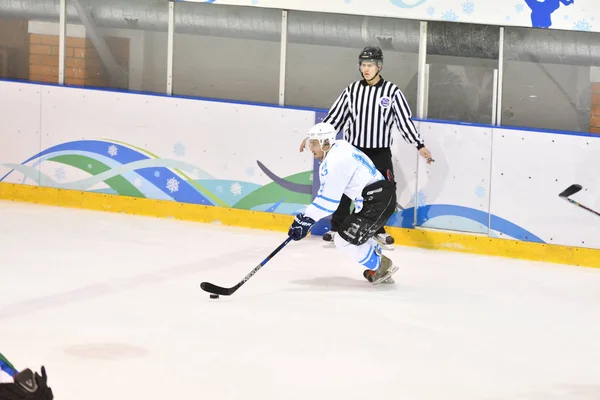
342	154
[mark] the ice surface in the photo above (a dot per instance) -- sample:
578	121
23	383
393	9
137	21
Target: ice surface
111	304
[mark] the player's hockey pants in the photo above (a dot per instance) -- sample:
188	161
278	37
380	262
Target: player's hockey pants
356	232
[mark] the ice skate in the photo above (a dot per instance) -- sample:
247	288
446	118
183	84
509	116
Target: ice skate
328	238
385	240
383	274
368	274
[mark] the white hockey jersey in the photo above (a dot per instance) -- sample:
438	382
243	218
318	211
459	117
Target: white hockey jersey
345	170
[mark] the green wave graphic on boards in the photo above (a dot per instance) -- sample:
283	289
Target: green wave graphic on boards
94	167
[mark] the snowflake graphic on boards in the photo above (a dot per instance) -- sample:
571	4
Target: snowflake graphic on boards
60	174
480	191
219	189
157	174
519	8
418	199
179	149
582	25
311	177
236	188
172	185
112	150
89	166
430	11
468	7
450	15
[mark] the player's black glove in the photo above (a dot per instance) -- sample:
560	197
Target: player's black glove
300	227
27	386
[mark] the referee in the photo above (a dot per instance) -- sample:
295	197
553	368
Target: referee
367	109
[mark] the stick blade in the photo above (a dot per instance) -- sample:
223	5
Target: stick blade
570	191
210	288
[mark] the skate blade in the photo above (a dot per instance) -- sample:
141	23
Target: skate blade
329	245
389	280
387	276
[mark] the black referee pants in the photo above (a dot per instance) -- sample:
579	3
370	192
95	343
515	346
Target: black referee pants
382	158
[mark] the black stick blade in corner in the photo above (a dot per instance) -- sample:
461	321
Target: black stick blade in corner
570	191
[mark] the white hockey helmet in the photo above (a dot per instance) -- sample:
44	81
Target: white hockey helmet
323	132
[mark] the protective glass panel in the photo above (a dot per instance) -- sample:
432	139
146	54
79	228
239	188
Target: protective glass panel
29	41
323	49
117	47
227	52
461	61
549	78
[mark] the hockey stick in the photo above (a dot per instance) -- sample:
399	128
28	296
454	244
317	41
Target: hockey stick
210	288
570	191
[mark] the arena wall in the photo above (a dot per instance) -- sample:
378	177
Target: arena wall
489	191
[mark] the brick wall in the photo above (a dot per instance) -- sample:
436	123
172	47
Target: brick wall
595	114
83	65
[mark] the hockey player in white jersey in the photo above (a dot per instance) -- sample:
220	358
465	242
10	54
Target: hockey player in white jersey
22	385
346	170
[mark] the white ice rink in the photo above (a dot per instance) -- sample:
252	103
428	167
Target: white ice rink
111	304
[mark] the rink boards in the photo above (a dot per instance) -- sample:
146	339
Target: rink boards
490	190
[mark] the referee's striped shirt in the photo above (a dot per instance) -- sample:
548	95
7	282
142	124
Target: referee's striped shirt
367	114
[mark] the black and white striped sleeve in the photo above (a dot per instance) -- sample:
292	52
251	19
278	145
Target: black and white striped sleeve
404	122
339	112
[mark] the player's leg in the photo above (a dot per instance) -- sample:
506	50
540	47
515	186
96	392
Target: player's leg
382	158
340	214
355	234
379	268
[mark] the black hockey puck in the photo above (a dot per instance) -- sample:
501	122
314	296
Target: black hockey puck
214	296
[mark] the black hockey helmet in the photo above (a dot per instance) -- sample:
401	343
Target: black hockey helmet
370	54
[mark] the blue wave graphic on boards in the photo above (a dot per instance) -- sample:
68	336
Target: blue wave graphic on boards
428	213
152	170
